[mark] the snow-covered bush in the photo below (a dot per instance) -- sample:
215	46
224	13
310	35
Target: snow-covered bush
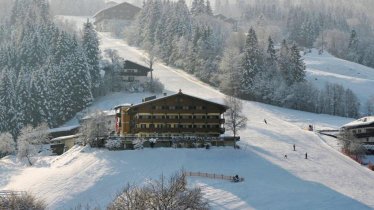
161	194
138	143
94	128
114	144
158	87
29	139
22	201
7	144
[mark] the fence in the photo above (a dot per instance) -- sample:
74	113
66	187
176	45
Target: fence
212	176
6	193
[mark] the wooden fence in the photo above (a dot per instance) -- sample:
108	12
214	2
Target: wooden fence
6	193
212	176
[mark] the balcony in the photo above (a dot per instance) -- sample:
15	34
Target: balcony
179	130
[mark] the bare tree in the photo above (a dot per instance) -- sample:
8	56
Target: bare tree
161	194
29	139
150	59
235	120
21	201
94	127
7	144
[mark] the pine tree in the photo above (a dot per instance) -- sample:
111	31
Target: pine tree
284	62
208	9
252	63
271	53
297	66
353	48
92	51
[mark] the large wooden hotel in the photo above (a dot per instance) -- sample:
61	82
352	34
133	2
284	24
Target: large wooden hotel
177	115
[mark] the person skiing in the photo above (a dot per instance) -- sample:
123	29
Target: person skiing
306	155
294	147
265	121
285	156
236	178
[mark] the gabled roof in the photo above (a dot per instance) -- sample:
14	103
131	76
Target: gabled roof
178	94
123	11
129	65
362	122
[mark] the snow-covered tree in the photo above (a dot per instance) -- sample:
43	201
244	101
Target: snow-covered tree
91	48
161	194
252	64
7	144
30	139
353	47
94	126
229	68
297	65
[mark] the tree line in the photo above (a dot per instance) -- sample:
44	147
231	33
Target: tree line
46	74
235	61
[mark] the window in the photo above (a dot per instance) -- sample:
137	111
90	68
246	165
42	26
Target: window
151	125
131	79
143	126
185	107
172	107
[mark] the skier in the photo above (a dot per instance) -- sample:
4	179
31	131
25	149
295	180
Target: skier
285	156
306	155
236	178
265	121
294	147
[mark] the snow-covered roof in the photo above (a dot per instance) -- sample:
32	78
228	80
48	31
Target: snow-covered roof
61	129
111	112
65	137
360	122
122	105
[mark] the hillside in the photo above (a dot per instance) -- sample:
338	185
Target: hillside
327	180
327	68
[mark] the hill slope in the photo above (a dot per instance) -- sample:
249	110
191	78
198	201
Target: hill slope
326	180
327	68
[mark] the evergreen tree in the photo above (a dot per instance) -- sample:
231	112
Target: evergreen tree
297	66
208	9
252	63
91	48
271	57
284	62
353	48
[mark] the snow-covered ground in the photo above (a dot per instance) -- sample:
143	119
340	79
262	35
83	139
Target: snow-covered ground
326	180
327	68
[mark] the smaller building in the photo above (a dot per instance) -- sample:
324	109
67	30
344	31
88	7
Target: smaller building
115	17
133	77
62	144
133	72
63	131
361	131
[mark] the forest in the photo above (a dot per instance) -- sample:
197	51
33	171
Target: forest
47	75
239	62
